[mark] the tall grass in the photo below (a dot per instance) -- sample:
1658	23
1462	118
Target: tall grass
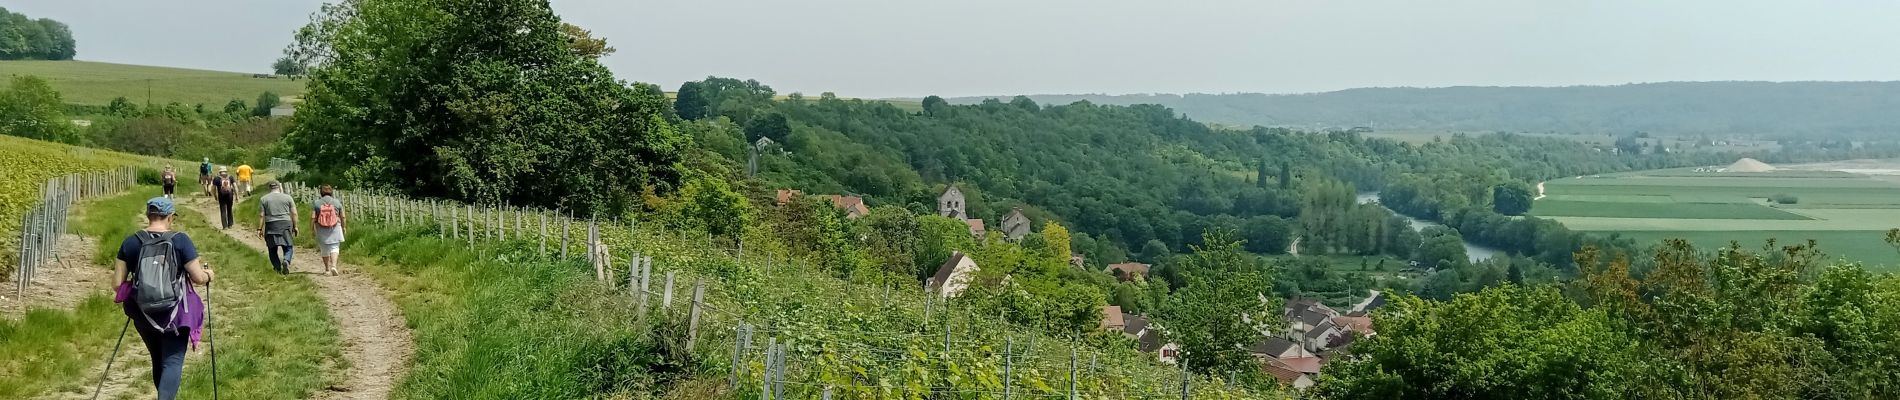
503	323
276	341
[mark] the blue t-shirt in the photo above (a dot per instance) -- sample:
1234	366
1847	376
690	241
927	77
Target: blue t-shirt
181	246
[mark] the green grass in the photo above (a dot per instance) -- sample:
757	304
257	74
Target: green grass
562	335
276	340
97	83
1549	208
1863	246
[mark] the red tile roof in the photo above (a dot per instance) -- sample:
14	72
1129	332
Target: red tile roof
1306	365
1112	318
1281	373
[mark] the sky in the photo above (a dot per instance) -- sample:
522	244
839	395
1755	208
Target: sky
898	48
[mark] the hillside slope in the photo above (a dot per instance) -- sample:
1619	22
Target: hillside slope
1717	108
97	83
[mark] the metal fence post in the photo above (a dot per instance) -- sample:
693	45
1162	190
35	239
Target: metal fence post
544	233
742	335
1009	354
666	300
692	322
765	379
566	224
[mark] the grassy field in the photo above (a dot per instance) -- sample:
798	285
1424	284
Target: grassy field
1680	210
97	83
1862	246
1845	213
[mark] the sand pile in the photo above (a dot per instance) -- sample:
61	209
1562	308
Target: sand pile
1750	165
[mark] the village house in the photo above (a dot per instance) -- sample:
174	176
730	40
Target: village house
1128	271
1147	337
1015	225
1298	373
1077	261
853	206
787	196
953	277
950	203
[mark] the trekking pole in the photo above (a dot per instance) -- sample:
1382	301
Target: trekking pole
115	356
214	342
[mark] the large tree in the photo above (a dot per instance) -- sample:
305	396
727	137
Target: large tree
477	100
1511	198
1209	316
31	108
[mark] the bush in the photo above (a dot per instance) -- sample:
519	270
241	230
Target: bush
1784	198
149	176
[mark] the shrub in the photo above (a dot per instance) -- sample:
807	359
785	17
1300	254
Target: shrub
1784	198
149	176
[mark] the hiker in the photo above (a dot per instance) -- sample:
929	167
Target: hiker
329	218
152	269
244	179
226	188
277	223
204	176
170	180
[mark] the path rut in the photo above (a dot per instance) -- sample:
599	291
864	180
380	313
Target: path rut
376	341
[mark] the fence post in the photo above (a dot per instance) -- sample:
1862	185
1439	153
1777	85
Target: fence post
544	233
765	379
455	223
742	336
778	385
666	300
1184	375
692	322
1009	354
471	224
1072	371
566	223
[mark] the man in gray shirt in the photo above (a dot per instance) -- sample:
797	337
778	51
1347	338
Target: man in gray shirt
278	218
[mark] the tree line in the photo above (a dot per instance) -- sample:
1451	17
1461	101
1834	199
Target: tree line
23	38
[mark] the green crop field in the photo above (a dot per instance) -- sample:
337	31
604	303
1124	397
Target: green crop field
1863	246
97	83
1681	210
1845	213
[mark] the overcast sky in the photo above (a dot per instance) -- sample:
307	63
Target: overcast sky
890	48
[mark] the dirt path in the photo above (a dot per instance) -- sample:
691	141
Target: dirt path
376	340
1540	191
60	284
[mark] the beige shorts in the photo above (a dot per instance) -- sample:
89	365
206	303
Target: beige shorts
328	250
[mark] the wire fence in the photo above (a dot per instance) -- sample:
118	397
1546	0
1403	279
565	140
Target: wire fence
43	226
745	313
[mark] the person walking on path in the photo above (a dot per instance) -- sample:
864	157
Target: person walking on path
227	195
204	176
244	179
170	180
329	218
278	218
152	270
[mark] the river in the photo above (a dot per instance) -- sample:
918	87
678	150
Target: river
1473	251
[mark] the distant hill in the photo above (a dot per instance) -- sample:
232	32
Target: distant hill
1856	109
97	83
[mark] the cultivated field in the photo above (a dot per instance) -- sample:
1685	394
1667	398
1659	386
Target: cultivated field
96	83
1846	210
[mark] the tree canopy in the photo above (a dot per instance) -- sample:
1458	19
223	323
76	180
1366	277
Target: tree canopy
480	101
23	38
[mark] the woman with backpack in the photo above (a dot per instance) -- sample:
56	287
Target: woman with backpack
170	180
156	268
329	219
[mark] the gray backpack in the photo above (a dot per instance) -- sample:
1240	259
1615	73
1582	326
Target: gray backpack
158	284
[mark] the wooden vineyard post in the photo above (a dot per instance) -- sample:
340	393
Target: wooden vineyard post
455	223
646	283
544	233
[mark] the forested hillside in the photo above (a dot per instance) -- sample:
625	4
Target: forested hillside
1784	109
1140	181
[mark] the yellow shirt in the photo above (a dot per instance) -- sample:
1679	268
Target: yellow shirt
244	172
